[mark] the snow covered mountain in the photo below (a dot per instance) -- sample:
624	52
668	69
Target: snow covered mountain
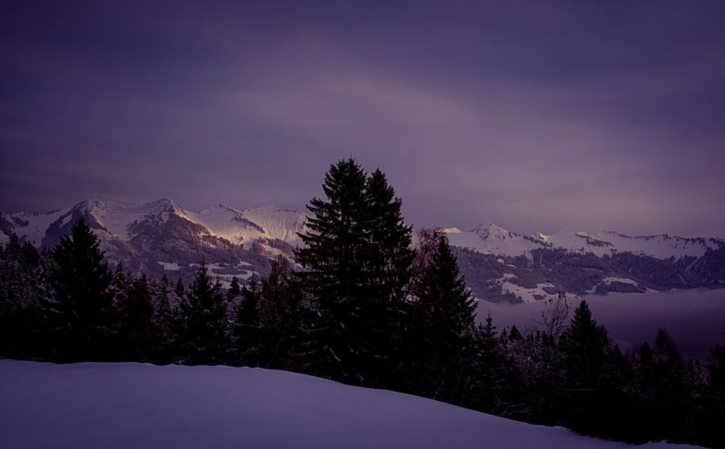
249	225
495	240
161	236
133	405
502	265
499	265
492	239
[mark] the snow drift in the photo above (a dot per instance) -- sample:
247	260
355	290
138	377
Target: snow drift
96	405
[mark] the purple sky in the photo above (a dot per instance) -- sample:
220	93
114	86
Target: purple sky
532	115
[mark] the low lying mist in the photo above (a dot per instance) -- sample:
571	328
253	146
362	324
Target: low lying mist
695	318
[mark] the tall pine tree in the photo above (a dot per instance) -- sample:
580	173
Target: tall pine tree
357	262
389	251
712	414
334	274
584	345
280	301
390	259
585	352
246	331
136	321
165	320
444	313
81	283
206	327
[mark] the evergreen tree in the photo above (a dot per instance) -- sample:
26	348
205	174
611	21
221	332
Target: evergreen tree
389	258
24	298
279	304
712	415
137	320
514	334
584	345
120	284
594	374
493	381
118	347
356	261
234	291
165	321
180	290
246	331
335	241
390	253
643	387
206	331
669	391
537	362
81	283
443	316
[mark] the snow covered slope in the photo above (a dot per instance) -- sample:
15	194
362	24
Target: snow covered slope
247	225
94	405
661	246
495	240
31	226
119	218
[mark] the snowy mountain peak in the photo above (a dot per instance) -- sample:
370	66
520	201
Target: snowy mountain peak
492	239
164	203
118	218
492	231
247	225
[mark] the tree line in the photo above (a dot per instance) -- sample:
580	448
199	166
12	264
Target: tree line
365	308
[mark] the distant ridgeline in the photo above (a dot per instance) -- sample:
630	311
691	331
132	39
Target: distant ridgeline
503	266
499	265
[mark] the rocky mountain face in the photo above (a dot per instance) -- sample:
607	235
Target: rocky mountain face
499	265
162	238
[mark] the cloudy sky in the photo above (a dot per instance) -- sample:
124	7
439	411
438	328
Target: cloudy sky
537	116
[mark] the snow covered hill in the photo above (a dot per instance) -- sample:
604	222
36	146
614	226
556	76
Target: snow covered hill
95	405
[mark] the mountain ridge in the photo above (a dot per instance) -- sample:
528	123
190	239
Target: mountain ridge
662	246
162	238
